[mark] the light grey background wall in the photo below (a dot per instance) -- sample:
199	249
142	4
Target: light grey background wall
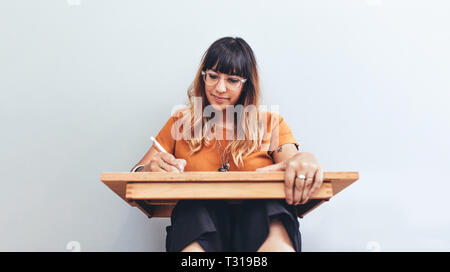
364	85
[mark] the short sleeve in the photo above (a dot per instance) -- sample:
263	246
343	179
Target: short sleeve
281	133
165	138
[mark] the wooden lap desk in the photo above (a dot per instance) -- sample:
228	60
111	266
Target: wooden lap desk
156	193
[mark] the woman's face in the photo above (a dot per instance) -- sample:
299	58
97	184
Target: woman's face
222	89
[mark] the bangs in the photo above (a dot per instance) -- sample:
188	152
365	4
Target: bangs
228	60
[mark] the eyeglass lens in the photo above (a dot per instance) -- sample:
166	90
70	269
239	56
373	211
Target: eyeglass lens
231	82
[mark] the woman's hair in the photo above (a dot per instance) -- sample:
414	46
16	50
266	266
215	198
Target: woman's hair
229	56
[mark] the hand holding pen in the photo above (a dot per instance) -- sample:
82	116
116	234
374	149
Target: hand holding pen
163	161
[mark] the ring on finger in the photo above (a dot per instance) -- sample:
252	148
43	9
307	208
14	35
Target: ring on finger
161	165
301	176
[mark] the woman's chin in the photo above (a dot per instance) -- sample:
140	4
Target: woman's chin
217	107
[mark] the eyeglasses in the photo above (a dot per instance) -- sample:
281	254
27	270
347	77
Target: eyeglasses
231	82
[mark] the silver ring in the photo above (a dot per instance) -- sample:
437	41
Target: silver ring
301	176
309	179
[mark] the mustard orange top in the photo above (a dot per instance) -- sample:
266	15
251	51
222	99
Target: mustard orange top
208	158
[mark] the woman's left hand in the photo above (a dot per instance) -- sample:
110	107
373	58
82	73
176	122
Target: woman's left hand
303	177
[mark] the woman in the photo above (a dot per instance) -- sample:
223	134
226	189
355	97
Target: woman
232	134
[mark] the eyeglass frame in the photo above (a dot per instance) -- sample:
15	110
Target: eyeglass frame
241	80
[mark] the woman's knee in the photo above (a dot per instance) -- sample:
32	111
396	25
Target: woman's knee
278	239
193	247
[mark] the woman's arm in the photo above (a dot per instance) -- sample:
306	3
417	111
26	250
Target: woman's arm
303	173
284	153
151	153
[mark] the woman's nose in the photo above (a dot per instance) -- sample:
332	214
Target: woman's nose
221	87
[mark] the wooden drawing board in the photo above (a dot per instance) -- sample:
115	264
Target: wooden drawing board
156	193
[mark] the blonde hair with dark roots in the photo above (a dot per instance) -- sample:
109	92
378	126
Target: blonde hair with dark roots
230	56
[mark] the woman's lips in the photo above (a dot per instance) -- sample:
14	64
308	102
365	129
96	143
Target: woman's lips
219	100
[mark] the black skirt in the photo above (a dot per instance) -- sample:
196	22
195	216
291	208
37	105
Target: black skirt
219	226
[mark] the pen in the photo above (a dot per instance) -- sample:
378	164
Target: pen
158	145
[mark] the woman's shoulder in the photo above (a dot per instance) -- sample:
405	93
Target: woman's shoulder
175	115
271	117
178	112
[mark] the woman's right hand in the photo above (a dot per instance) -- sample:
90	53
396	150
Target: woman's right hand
164	162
